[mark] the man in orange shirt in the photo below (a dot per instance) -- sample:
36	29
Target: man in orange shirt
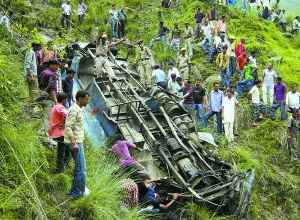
222	26
56	130
241	62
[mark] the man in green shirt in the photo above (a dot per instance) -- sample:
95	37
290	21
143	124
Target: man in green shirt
246	77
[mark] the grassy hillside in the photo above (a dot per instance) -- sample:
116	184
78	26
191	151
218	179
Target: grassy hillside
292	6
276	191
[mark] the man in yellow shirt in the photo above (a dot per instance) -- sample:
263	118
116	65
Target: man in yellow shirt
223	64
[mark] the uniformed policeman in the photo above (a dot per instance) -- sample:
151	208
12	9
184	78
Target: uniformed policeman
189	36
101	56
146	62
176	38
184	64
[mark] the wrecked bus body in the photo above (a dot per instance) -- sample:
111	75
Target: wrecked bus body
153	119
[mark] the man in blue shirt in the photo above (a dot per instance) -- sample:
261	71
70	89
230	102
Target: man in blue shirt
67	86
155	199
159	76
215	107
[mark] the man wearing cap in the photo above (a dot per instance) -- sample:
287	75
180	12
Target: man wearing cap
207	30
101	55
66	13
159	76
223	64
213	15
30	69
176	38
114	21
67	86
189	36
222	26
146	62
198	19
48	87
232	56
184	64
161	36
252	61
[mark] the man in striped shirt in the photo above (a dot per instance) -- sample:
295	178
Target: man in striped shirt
74	134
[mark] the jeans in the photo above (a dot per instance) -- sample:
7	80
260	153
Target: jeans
244	6
274	106
69	103
199	108
204	42
283	27
198	30
232	65
114	27
258	107
62	21
162	84
161	38
213	52
79	180
225	76
63	154
240	86
219	120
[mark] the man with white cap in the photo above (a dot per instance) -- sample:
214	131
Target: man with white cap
184	63
146	62
101	55
232	57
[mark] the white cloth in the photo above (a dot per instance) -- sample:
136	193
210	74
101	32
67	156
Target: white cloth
228	127
228	109
113	14
269	77
30	62
292	99
207	30
255	95
265	89
66	9
172	86
171	71
252	61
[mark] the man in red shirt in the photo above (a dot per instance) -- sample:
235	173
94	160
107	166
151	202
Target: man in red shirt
56	130
241	62
240	48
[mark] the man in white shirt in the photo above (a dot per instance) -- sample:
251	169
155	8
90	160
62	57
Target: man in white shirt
257	105
282	17
269	78
172	70
292	100
66	13
228	112
207	30
114	21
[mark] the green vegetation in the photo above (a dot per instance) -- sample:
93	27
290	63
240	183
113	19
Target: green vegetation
40	193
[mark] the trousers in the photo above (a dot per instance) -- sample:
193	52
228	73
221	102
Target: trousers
274	106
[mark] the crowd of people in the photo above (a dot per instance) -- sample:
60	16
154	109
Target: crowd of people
50	82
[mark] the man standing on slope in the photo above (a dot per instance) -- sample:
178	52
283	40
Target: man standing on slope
292	135
74	134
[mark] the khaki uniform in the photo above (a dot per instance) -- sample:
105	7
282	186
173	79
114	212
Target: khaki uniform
145	67
102	60
183	65
188	32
